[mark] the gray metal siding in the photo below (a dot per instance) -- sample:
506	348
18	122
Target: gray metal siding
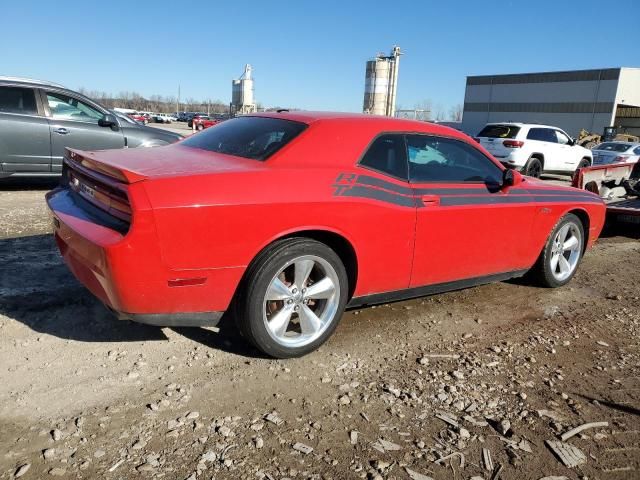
569	100
546	77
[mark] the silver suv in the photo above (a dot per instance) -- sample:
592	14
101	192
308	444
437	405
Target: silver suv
38	120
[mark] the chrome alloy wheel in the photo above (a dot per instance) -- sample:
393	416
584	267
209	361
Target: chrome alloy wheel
565	251
301	301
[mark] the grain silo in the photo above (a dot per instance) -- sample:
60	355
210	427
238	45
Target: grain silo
381	84
242	93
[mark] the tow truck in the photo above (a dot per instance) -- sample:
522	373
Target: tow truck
617	184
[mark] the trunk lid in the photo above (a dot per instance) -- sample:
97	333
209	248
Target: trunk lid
134	165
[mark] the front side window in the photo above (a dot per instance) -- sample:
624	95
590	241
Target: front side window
387	154
561	138
256	138
18	100
439	159
64	107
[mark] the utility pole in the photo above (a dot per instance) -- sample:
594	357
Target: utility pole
178	102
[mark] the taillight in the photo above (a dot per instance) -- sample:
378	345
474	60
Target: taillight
513	143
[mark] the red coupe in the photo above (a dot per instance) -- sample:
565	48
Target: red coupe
284	219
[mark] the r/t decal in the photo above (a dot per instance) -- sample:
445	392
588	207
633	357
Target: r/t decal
344	182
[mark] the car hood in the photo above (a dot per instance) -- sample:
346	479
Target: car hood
134	165
142	131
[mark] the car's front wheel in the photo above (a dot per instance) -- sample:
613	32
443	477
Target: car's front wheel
561	255
584	163
292	298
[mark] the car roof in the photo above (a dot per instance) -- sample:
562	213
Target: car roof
383	123
28	81
521	124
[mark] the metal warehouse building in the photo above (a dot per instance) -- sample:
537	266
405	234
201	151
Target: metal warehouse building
589	99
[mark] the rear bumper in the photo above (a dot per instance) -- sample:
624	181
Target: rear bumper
124	269
196	319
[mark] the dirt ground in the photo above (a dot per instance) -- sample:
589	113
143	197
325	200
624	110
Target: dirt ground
412	390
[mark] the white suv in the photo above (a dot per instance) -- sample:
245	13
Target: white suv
534	149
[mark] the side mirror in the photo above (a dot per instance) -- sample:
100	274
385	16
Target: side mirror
109	120
511	178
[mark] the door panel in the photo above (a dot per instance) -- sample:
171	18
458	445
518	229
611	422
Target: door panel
469	235
568	160
25	145
74	124
467	226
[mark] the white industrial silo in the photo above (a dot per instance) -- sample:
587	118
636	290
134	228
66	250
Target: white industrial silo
381	84
242	93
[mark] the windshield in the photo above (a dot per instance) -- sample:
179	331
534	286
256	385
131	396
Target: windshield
499	131
250	137
123	117
614	147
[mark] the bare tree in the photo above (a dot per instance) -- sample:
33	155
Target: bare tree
154	103
455	113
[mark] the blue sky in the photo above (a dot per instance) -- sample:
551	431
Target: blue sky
308	54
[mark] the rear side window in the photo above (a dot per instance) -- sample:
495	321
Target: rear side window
439	159
613	147
256	138
637	151
18	100
542	135
499	131
387	154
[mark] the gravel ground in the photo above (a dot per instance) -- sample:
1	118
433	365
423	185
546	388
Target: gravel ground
480	383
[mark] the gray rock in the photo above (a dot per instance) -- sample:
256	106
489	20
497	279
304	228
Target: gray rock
22	469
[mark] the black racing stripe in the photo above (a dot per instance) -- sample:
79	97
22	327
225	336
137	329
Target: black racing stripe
459	191
575	191
485	200
377	182
381	195
566	198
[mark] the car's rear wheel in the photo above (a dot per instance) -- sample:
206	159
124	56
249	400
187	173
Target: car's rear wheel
533	167
292	298
200	127
562	253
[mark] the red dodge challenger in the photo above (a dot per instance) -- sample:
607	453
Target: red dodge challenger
284	219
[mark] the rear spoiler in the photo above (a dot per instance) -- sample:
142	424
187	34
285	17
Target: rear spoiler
92	161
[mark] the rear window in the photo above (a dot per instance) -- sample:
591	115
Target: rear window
499	131
613	147
18	100
250	137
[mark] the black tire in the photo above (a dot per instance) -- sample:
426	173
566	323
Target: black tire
249	304
583	164
541	273
533	168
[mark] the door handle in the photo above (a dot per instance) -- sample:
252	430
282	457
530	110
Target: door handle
430	200
61	131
